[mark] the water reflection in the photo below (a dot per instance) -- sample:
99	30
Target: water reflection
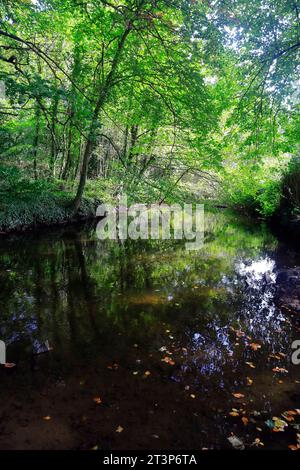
90	299
257	271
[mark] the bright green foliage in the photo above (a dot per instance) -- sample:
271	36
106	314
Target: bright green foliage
158	99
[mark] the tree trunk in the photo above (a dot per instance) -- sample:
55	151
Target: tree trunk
103	95
53	151
35	143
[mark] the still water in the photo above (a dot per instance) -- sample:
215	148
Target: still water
143	345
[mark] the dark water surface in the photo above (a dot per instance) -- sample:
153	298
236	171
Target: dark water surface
148	339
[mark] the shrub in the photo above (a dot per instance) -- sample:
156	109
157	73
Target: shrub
290	188
256	191
26	203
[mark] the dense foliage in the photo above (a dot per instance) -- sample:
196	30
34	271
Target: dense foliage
155	98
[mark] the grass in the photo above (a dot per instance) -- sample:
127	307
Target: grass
26	204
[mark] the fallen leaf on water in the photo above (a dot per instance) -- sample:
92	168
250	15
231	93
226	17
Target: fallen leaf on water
238	395
255	346
250	364
234	413
270	423
119	429
289	415
280	369
236	442
274	356
249	381
279	424
245	420
46	418
168	361
239	333
9	365
97	400
292	447
288	418
147	373
257	442
192	395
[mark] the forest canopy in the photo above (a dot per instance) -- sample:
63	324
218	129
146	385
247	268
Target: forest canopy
161	99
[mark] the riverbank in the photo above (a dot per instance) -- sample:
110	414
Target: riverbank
44	210
287	295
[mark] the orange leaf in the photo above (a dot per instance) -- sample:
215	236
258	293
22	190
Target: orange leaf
294	447
279	369
168	360
255	346
97	400
238	395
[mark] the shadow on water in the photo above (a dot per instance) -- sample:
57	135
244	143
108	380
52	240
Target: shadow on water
163	336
